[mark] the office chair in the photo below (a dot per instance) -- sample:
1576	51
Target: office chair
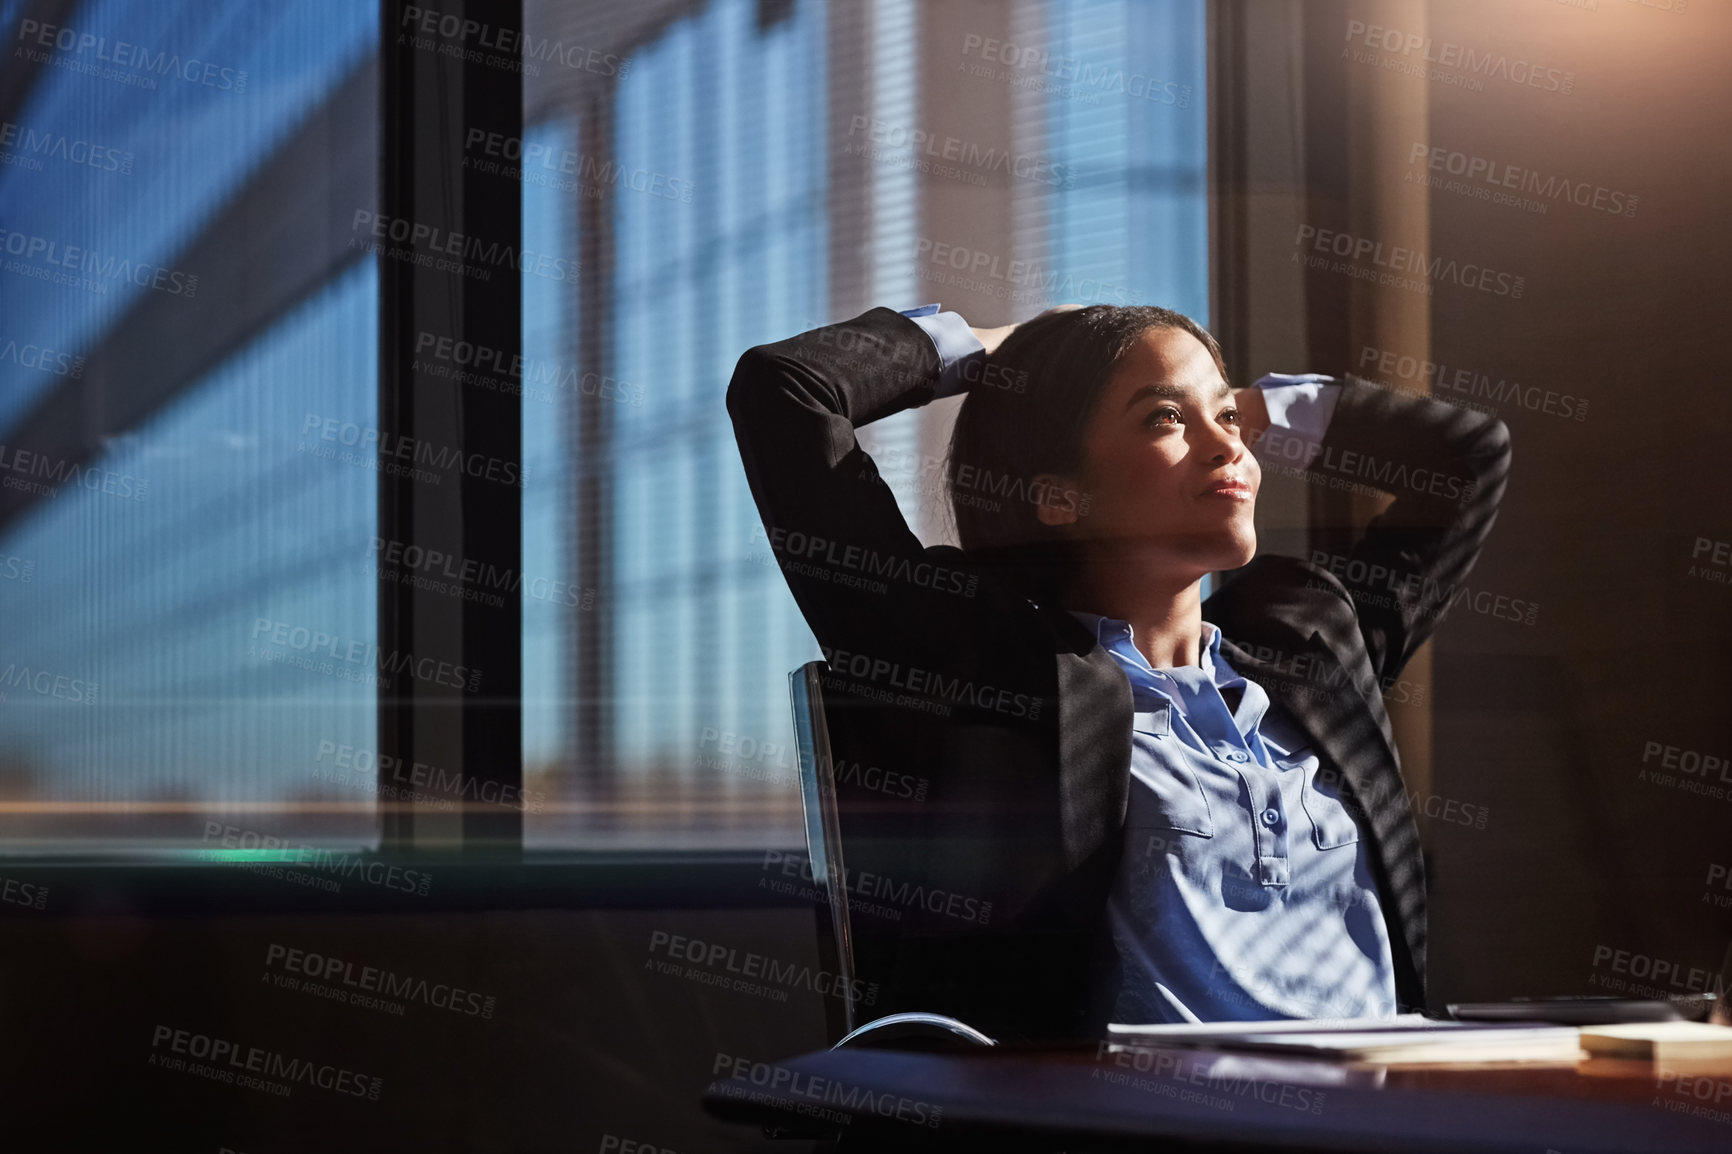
824	852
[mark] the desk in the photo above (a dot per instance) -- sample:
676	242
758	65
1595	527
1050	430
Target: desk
1085	1097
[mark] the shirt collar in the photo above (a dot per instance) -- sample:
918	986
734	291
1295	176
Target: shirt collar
1116	636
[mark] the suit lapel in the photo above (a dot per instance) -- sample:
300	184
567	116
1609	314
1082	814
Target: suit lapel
1094	739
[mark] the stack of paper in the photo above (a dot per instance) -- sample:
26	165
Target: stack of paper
1409	1038
1212	1033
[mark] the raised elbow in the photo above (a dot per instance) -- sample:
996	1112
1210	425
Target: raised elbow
752	371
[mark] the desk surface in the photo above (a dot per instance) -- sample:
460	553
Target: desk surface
1089	1096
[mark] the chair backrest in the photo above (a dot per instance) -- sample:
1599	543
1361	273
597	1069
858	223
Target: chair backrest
830	880
824	841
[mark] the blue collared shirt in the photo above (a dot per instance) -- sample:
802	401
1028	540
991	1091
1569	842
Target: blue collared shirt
1245	890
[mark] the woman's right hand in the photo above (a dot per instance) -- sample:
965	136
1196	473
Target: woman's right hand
992	338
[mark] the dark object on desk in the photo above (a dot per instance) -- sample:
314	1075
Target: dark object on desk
1586	1011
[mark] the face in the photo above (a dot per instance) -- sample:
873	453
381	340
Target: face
1172	487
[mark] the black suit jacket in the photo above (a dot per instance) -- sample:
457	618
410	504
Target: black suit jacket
983	739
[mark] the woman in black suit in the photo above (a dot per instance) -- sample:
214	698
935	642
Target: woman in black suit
1127	792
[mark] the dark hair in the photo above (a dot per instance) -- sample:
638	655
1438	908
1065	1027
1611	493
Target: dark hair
1027	416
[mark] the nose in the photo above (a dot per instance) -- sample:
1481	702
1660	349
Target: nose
1220	441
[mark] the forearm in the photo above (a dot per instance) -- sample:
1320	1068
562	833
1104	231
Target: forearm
1421	450
1446	469
862	369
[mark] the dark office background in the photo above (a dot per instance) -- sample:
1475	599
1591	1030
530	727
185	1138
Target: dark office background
367	498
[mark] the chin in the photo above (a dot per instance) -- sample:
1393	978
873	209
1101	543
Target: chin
1236	552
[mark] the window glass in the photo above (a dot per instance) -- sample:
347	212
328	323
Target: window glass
186	598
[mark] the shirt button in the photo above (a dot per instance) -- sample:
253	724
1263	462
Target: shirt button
1271	817
1238	755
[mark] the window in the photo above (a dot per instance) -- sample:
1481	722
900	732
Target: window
756	171
198	543
186	608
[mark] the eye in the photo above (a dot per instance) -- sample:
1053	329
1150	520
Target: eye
1159	414
1231	416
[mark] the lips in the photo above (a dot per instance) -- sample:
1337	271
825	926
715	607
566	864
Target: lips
1231	488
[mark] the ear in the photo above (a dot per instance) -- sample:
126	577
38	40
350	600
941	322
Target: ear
1058	499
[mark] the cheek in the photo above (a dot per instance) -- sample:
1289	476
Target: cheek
1140	486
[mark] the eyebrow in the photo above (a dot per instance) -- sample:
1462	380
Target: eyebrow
1171	393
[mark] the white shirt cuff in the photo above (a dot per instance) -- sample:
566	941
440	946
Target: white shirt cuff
1300	406
958	347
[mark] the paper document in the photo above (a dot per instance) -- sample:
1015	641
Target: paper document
1404	1039
1190	1033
